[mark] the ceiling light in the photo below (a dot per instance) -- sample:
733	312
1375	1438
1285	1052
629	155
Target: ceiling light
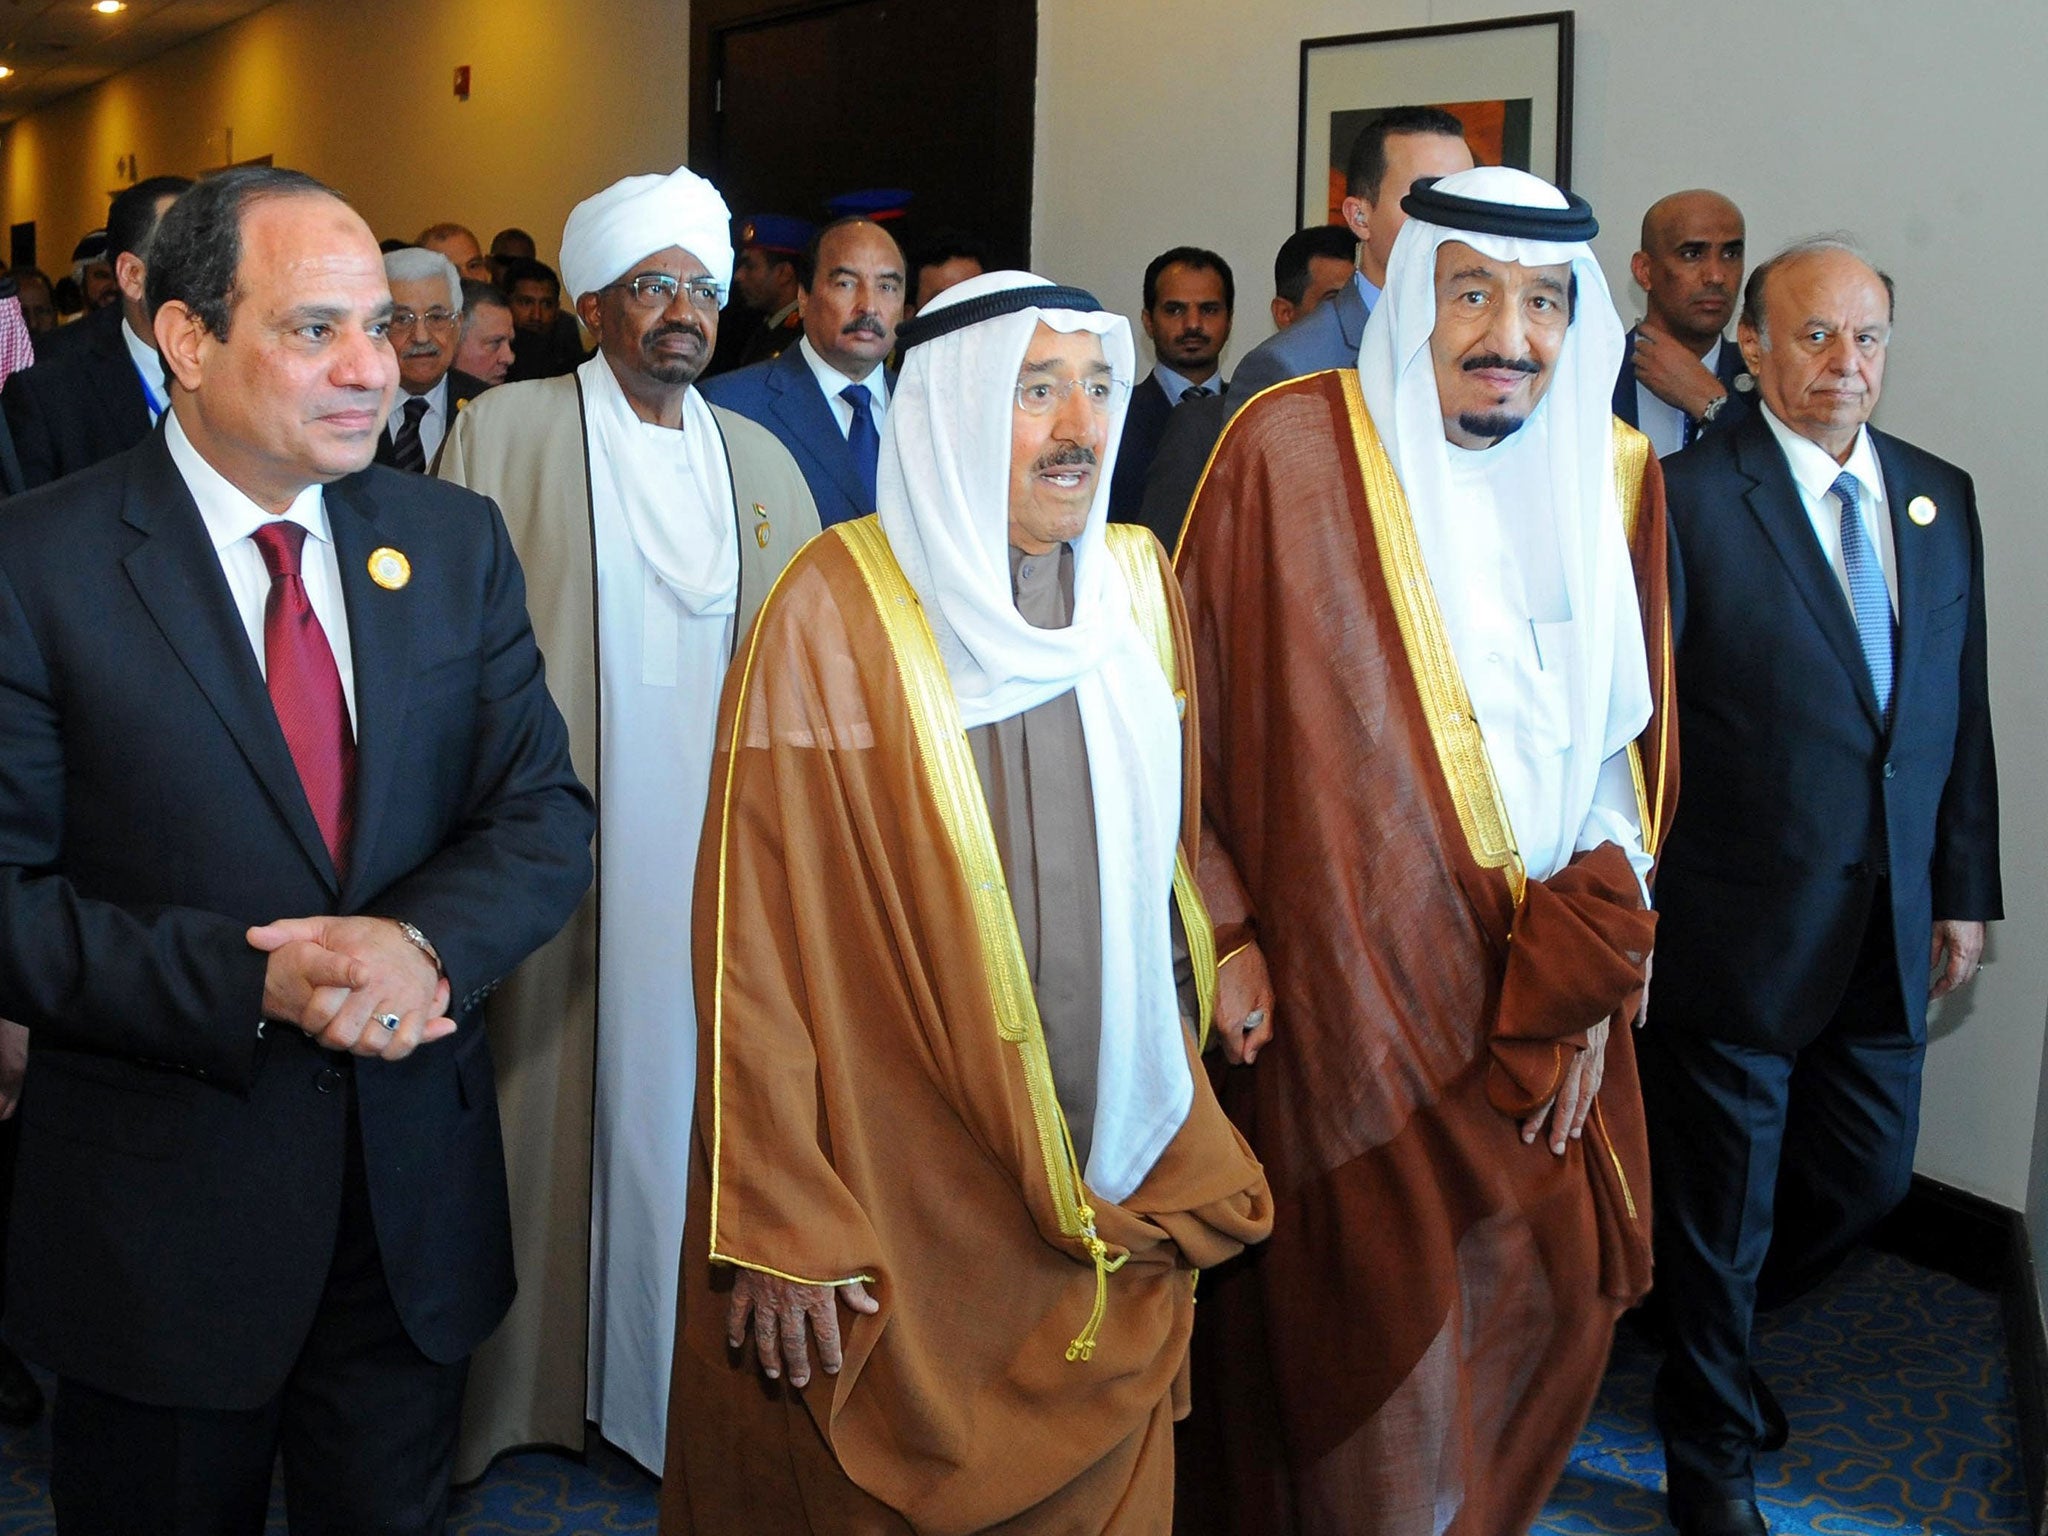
110	7
5	71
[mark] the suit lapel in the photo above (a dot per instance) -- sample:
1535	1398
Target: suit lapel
1351	313
177	575
1625	381
379	631
116	385
1774	501
801	403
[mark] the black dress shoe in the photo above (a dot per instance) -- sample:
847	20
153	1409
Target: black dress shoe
21	1400
1775	1431
1720	1517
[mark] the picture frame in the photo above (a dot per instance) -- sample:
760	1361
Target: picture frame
1508	80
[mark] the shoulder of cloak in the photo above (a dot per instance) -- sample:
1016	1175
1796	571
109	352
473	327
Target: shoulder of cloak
1272	427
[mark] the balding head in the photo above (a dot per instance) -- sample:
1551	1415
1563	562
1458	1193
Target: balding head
1690	266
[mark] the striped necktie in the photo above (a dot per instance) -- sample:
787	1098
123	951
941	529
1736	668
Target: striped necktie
407	451
1868	595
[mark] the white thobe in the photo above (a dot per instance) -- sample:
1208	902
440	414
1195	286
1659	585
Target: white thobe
660	671
1509	618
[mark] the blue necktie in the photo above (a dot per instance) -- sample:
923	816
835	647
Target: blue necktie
1867	594
862	438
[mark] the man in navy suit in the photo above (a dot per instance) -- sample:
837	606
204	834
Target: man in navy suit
1834	858
1190	297
97	386
826	397
1679	377
285	795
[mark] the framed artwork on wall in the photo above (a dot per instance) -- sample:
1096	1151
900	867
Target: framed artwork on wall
1509	81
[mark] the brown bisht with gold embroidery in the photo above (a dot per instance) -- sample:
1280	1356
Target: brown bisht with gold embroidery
875	1101
1418	1344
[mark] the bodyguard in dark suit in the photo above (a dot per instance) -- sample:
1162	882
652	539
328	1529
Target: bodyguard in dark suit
97	385
825	397
1833	861
1680	378
284	796
1190	299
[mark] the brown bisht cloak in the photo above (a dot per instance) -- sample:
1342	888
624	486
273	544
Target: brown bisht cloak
1419	1343
875	1101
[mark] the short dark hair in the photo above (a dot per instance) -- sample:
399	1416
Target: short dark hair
943	245
1367	166
132	218
1753	290
30	275
1196	259
197	249
514	232
524	269
476	291
1290	267
807	264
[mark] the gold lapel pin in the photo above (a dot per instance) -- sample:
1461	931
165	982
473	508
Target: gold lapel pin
1921	509
389	569
762	527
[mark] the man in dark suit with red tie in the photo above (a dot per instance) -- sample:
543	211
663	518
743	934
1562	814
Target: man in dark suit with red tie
284	795
1834	858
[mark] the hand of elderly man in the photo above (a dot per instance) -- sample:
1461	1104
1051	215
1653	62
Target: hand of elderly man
1956	956
1244	1005
1669	370
1574	1102
787	1316
338	978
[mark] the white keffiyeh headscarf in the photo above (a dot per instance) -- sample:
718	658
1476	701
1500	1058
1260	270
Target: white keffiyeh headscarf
943	493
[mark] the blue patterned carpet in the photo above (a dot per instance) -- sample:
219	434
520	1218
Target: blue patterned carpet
1893	1378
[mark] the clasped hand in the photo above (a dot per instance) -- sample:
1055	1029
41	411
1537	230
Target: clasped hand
333	977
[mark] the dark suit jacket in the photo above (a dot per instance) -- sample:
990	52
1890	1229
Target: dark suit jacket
1144	424
80	403
1792	784
1328	336
1728	368
782	394
462	388
181	1171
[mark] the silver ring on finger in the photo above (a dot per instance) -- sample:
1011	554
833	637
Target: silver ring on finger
389	1021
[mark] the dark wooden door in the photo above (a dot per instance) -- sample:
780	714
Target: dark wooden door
794	104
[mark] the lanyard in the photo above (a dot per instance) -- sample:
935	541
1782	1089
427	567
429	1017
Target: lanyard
151	395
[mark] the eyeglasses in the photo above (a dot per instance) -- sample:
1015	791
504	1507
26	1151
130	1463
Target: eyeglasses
433	320
658	290
1041	397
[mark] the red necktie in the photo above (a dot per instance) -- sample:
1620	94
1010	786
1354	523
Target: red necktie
305	688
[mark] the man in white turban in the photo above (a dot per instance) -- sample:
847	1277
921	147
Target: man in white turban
651	526
955	1163
1422	595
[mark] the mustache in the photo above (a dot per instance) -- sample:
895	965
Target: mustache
1066	453
1187	338
1495	360
673	328
421	349
866	325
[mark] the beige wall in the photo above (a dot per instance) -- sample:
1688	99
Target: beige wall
361	95
1910	124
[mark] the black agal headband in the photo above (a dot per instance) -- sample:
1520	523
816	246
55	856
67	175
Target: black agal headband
933	323
1560	226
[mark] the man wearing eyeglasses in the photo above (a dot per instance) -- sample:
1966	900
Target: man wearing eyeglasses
651	525
426	323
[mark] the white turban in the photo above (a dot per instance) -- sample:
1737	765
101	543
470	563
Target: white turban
943	488
609	234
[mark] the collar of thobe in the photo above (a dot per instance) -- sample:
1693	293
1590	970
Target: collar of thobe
943	492
669	486
1569	436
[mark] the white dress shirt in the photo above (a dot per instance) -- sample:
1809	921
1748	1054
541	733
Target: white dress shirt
232	519
1660	421
149	369
831	381
433	425
1813	470
1177	385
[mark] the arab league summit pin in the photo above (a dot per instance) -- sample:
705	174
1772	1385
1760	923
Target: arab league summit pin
1921	509
389	569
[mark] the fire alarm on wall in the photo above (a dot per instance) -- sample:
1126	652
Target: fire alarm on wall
462	82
